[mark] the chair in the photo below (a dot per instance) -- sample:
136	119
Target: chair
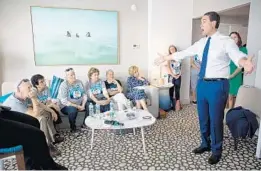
249	97
13	152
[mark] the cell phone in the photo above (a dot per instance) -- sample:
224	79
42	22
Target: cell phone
115	123
108	122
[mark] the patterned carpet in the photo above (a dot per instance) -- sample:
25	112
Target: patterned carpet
169	144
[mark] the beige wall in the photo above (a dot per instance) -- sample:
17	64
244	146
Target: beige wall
16	45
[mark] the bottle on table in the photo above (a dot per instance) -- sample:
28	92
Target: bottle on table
91	111
112	112
97	110
128	104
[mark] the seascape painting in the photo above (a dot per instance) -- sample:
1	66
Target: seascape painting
64	36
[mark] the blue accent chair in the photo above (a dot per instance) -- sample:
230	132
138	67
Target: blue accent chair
10	153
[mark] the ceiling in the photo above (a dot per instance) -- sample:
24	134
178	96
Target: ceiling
242	11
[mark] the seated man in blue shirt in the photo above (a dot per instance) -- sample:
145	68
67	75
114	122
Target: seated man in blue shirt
24	100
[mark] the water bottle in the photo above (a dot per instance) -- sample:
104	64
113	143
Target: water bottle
97	107
91	112
166	79
135	110
111	110
128	104
111	106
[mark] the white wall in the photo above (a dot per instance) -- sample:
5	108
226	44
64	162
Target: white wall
240	20
156	24
16	45
196	31
202	6
227	25
169	24
1	67
254	42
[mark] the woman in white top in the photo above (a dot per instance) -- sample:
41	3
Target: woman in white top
115	90
174	72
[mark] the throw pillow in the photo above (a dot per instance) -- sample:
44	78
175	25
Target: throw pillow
4	97
55	85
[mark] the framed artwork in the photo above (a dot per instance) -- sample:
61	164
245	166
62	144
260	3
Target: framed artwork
64	36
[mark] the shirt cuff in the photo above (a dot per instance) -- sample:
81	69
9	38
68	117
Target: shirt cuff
238	59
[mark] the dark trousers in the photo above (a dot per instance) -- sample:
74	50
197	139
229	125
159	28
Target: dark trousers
59	119
21	129
103	108
211	101
72	113
176	88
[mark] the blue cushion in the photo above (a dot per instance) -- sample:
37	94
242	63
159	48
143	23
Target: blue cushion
11	150
55	85
4	97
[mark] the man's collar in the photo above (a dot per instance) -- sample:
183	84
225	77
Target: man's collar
19	99
215	34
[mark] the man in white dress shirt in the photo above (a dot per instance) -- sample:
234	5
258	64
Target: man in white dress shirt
215	51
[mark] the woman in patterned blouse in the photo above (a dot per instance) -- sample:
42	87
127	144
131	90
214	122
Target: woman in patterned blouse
135	92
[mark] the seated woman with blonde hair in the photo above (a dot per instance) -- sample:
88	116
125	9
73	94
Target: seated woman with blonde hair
115	89
134	90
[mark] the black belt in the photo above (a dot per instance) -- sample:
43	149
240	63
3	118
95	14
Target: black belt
214	79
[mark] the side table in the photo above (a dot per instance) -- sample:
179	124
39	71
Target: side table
164	99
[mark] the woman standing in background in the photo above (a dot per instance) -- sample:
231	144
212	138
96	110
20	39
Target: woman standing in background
235	78
174	71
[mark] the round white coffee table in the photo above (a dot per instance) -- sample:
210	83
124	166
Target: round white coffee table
139	122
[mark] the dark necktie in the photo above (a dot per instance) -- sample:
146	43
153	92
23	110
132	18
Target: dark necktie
204	60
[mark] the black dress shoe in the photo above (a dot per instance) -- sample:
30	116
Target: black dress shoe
73	130
214	159
58	139
83	126
194	102
54	152
201	150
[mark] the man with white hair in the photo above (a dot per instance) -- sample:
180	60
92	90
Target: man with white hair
24	100
24	130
